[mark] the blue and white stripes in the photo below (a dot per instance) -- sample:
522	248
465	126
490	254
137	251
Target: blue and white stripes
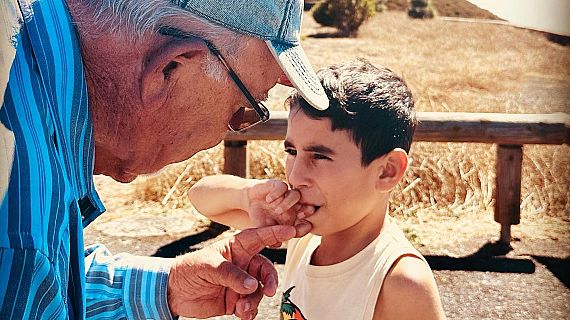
124	285
50	195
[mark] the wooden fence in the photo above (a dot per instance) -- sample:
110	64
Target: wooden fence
509	131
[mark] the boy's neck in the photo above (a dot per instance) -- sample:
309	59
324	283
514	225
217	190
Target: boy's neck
341	246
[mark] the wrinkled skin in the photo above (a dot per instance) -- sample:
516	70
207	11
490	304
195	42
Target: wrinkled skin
214	281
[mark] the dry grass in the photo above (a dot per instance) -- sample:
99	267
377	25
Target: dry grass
450	67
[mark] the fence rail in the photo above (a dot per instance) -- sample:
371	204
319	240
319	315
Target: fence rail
509	131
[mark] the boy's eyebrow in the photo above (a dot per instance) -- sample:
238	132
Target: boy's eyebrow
318	148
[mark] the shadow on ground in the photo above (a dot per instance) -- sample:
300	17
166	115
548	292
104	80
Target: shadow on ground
324	35
560	268
491	257
190	243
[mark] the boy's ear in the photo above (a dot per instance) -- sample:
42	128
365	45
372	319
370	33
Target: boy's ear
391	169
164	66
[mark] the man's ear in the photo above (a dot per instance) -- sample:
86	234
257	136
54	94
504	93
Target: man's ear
391	169
165	65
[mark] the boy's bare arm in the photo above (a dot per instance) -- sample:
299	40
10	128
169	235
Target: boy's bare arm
409	292
245	203
221	198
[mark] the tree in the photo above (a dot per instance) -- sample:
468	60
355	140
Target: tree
345	15
421	9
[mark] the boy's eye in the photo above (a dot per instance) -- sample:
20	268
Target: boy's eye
291	151
319	156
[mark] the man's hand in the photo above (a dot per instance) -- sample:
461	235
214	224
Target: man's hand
270	202
228	277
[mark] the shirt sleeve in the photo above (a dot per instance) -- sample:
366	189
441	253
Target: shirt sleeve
125	286
29	286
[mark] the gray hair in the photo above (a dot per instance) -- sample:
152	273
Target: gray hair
135	18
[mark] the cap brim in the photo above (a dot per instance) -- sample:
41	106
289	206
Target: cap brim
297	67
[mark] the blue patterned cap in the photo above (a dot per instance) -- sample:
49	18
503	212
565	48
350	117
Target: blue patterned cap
278	23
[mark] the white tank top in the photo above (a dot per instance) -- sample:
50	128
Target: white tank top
346	290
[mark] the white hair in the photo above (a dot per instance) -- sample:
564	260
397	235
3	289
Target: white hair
135	18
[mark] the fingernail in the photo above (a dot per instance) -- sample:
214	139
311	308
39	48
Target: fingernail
278	210
250	283
272	284
268	199
246	306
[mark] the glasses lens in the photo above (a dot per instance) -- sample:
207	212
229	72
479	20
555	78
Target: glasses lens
243	119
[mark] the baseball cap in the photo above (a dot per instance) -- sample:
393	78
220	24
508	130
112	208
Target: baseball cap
278	23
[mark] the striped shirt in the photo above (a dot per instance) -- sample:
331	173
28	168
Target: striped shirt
47	194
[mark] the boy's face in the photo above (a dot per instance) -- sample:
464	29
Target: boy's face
325	166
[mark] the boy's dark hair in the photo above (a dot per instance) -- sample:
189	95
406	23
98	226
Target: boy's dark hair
373	104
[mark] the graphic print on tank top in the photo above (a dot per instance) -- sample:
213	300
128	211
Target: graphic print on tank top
289	311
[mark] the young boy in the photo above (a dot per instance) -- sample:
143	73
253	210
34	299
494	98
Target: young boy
341	167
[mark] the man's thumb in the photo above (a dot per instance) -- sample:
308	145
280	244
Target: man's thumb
236	279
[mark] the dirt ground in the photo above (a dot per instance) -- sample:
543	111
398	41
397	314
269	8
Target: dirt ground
476	279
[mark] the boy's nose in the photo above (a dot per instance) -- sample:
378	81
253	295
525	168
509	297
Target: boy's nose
298	175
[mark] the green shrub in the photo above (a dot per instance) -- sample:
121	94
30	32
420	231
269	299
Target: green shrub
345	15
419	3
421	9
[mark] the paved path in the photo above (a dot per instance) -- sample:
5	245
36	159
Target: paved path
474	279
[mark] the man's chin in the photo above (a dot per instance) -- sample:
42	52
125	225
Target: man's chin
120	176
124	177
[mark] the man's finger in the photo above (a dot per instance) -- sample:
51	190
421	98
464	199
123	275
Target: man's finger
269	278
246	307
276	246
235	278
263	270
232	298
250	242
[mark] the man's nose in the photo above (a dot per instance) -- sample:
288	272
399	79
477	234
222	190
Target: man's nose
284	80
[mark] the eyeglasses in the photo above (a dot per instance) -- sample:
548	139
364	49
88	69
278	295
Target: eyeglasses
243	118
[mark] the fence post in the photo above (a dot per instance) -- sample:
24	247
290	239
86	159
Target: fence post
508	184
236	159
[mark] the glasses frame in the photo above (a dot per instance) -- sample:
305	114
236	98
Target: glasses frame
260	109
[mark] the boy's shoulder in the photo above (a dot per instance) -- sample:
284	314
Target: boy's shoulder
408	272
409	289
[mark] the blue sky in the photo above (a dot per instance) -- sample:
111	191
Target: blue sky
547	15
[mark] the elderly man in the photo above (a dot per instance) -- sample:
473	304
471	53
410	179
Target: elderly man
122	88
